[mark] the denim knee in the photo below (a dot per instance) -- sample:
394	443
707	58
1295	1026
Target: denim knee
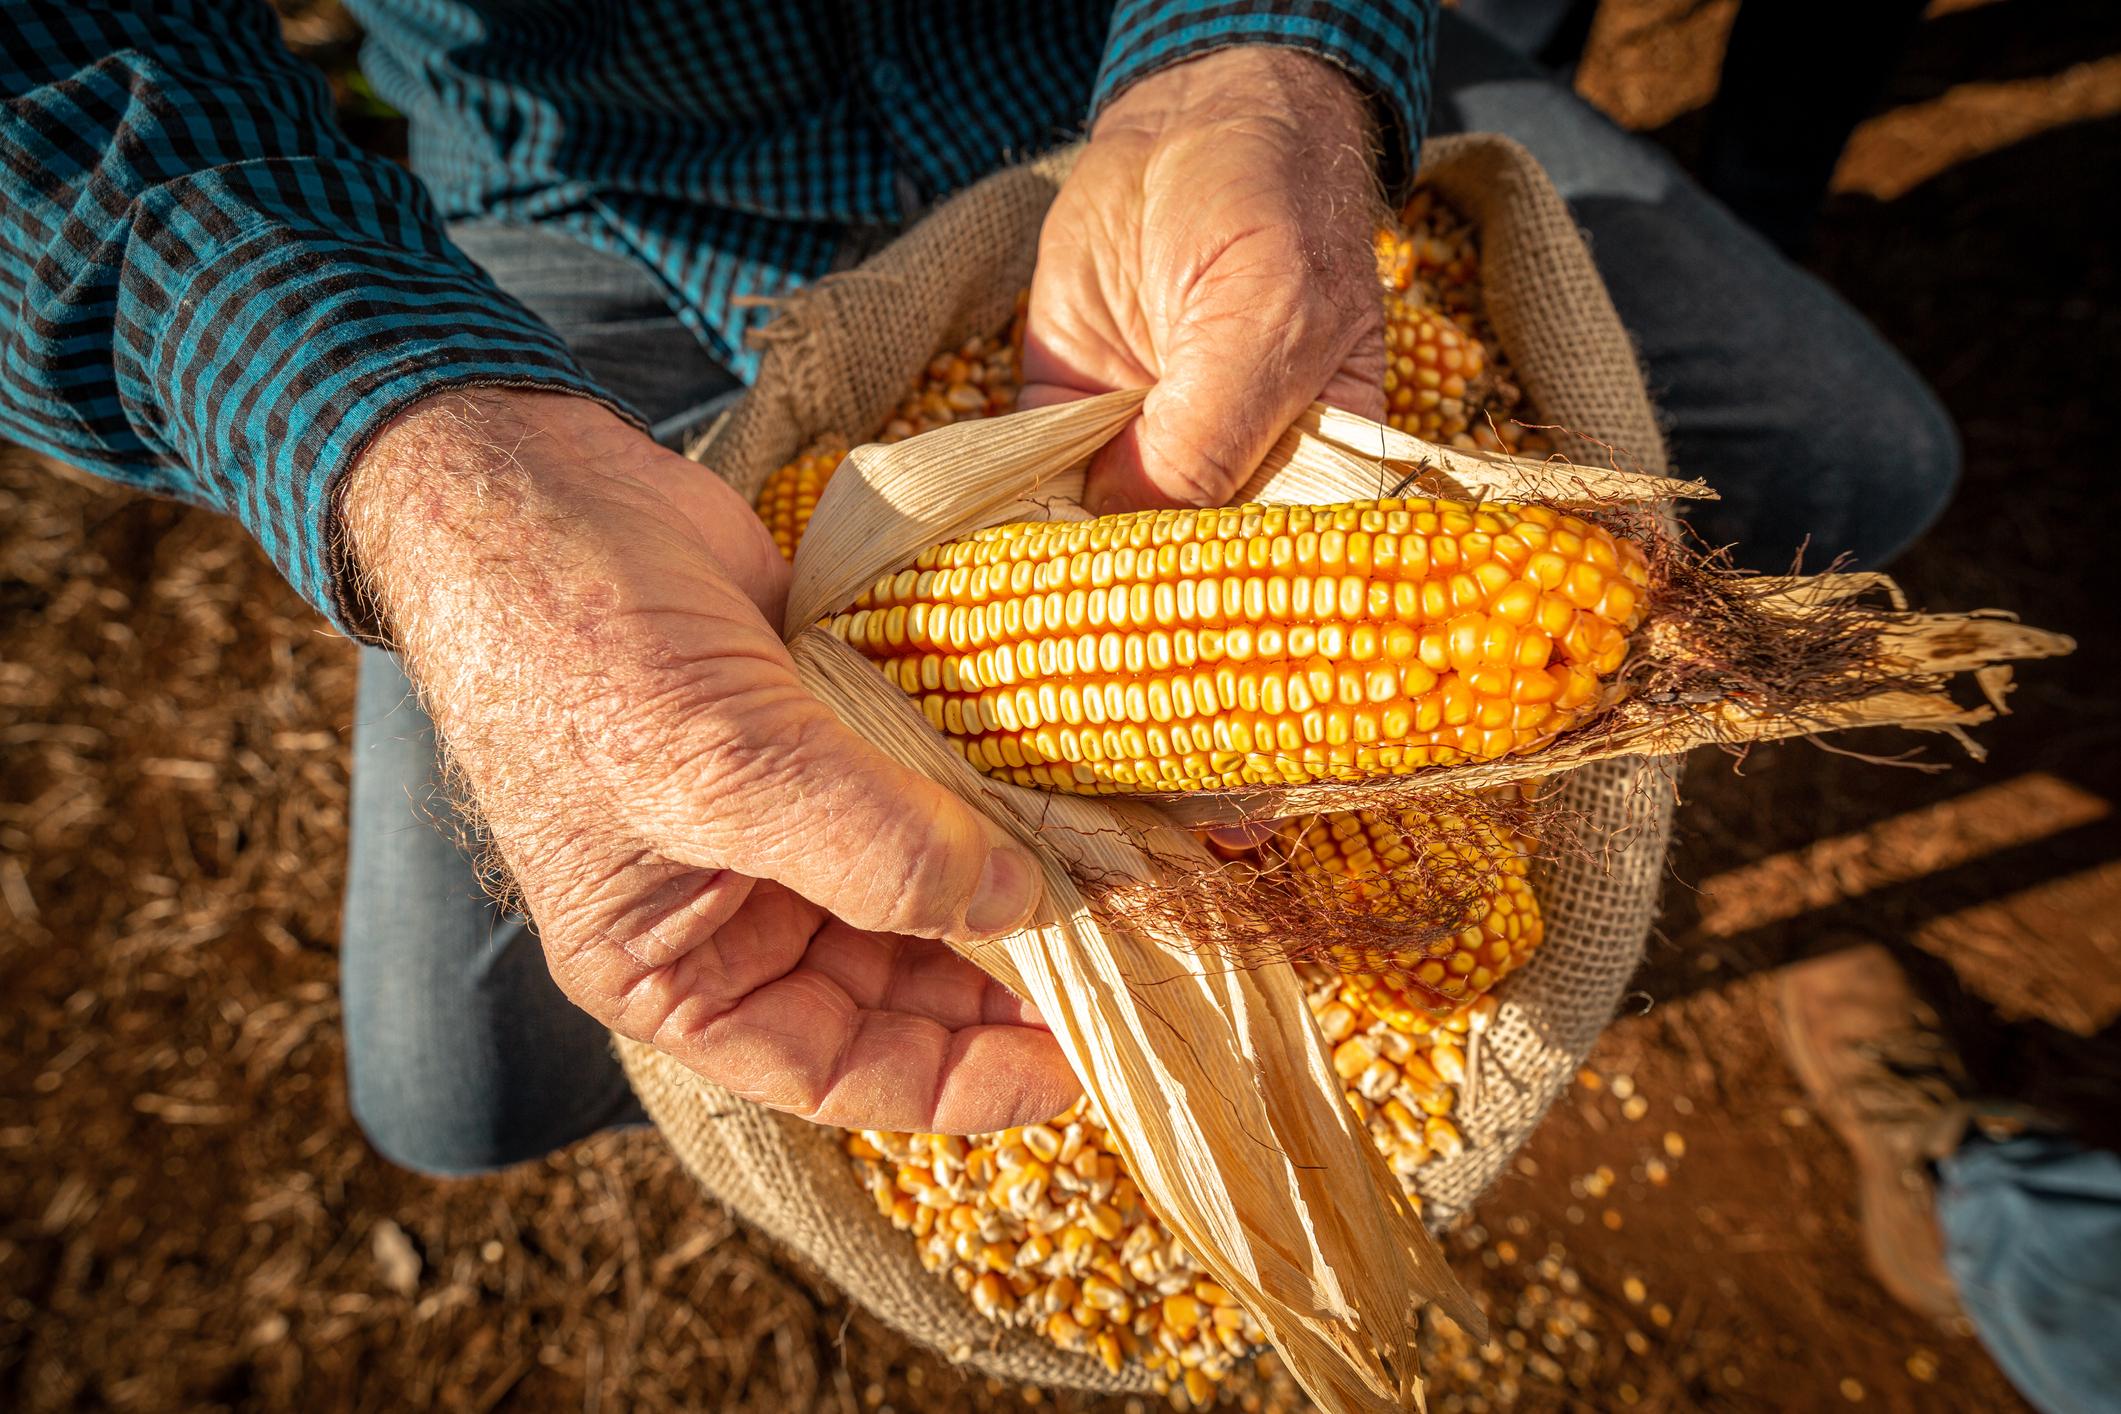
1862	484
430	1135
462	1056
1899	441
1888	462
1827	442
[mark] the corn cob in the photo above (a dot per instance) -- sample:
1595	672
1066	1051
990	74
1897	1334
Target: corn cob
1432	371
1430	256
1406	861
789	498
1184	650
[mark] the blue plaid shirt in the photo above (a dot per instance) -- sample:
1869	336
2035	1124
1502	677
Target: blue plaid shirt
208	292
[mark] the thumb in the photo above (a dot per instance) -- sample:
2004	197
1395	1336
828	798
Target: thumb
783	790
1230	385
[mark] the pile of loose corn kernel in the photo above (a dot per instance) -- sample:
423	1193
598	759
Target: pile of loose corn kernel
1404	1074
980	379
1042	1229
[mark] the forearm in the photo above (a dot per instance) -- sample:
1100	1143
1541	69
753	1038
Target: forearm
209	292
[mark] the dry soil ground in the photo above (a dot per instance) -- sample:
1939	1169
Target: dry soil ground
188	1219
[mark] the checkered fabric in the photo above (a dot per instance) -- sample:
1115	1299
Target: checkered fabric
208	292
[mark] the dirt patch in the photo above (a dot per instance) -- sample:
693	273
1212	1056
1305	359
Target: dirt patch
189	1219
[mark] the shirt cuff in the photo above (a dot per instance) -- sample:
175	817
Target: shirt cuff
1386	49
279	356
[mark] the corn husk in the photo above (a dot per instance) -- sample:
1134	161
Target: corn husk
1213	1078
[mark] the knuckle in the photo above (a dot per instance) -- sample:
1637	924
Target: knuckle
1205	475
914	878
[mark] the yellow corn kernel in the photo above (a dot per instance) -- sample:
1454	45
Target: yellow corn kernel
977	379
1377	852
789	497
1432	368
1180	650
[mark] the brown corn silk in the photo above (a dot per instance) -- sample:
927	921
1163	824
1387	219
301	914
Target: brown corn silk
1222	1099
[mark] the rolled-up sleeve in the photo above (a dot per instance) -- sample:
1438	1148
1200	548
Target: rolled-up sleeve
205	290
1386	46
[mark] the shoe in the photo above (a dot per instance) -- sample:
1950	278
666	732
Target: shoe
1878	1069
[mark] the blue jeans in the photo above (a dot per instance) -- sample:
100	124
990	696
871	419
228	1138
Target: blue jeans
464	1056
2032	1232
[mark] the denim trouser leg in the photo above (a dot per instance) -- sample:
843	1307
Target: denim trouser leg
1774	390
2032	1230
461	1053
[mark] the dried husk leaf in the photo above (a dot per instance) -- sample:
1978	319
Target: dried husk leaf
1214	1080
1329	455
886	514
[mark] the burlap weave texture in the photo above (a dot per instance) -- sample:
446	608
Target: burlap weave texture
837	360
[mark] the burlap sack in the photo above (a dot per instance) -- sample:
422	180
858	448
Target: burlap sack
837	360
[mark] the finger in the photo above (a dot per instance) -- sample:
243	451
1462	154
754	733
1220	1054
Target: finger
634	942
999	1077
1044	395
1210	420
811	1016
1085	328
763	779
1359	386
883	848
802	1045
893	972
983	1078
1245	363
1066	365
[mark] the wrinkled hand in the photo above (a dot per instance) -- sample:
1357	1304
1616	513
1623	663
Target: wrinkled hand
716	865
1214	241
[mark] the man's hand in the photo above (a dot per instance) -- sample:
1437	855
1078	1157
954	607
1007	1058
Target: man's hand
1214	240
715	863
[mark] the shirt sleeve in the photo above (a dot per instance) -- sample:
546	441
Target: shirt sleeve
206	291
1386	46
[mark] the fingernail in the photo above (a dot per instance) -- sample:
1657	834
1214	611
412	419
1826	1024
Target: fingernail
1007	892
